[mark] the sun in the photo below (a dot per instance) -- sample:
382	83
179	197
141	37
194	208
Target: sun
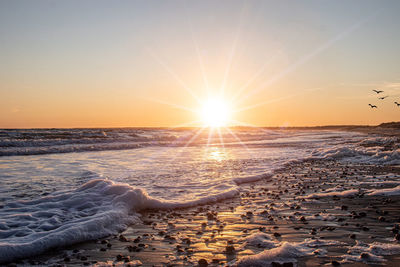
215	112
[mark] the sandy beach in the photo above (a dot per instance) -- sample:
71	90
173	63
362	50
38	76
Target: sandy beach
309	213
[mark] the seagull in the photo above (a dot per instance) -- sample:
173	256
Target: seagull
377	91
398	104
383	97
372	106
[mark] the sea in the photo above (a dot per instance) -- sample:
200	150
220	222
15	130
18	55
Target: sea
64	186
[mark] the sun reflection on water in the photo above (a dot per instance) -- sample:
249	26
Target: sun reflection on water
216	153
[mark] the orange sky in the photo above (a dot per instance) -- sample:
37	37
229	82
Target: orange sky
153	63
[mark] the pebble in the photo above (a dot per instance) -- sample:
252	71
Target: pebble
230	249
335	263
203	262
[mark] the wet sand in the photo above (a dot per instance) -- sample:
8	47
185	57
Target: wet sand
279	208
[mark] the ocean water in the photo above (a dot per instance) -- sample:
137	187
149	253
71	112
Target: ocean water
63	186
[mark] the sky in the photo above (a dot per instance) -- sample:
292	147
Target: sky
154	63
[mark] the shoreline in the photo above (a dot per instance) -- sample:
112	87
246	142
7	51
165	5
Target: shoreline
275	210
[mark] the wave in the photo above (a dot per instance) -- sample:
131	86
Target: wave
97	209
378	150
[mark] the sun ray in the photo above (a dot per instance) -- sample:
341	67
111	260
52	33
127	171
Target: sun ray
254	77
221	139
238	139
174	75
276	100
233	50
260	71
170	104
210	134
311	55
196	46
198	132
246	124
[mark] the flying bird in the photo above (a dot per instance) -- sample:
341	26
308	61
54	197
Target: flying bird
398	104
372	106
377	91
383	97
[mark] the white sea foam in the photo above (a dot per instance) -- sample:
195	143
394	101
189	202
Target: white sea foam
371	150
132	263
370	252
282	251
345	193
253	178
261	240
96	209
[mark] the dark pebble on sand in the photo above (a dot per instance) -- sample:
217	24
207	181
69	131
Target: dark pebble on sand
344	207
119	257
203	262
352	236
364	255
335	263
210	216
230	249
122	238
397	237
276	234
381	219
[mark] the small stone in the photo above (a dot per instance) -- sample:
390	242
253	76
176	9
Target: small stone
381	219
335	263
230	249
276	234
203	262
352	236
344	207
122	238
119	257
364	255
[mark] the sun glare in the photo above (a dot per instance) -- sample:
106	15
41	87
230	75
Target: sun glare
215	113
